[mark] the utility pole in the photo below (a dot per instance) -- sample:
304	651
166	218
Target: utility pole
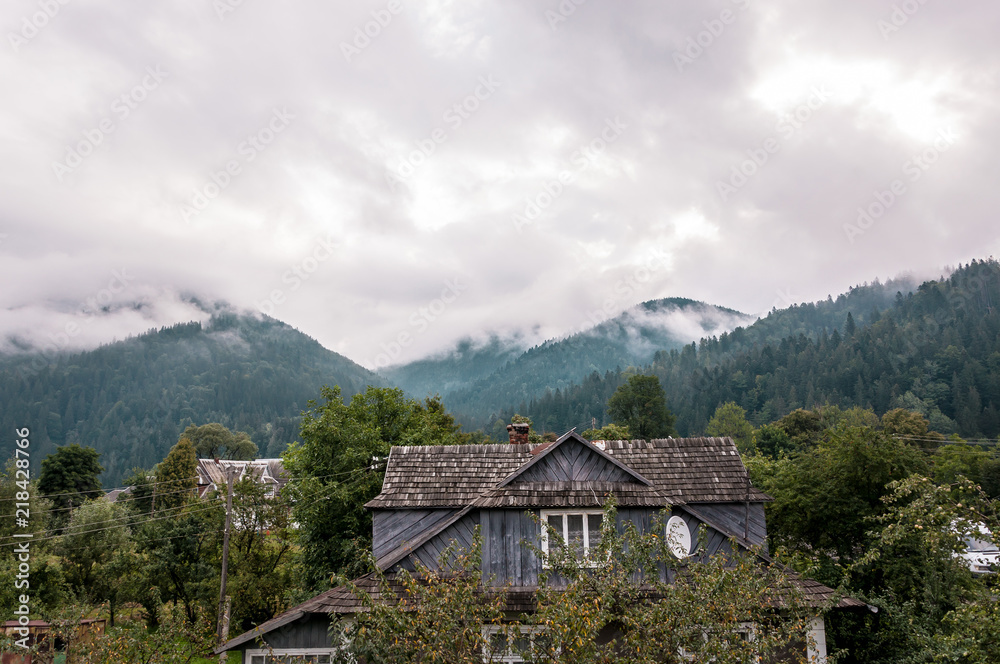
224	600
746	520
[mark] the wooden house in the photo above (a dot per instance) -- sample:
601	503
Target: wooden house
433	496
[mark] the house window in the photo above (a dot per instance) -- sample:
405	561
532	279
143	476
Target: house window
290	656
580	531
512	645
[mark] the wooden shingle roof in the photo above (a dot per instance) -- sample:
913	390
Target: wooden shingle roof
681	470
446	475
689	470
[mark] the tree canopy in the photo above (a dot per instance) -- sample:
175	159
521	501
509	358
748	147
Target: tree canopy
69	476
214	441
640	405
340	463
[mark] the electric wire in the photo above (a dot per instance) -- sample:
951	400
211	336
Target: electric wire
13	541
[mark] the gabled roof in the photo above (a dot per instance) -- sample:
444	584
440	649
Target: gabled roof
568	439
676	470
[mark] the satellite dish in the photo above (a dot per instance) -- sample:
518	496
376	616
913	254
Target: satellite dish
679	537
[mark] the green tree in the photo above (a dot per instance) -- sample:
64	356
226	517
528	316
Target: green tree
641	406
910	426
824	497
214	441
339	465
938	610
260	554
69	476
179	559
98	554
176	476
773	441
609	432
731	420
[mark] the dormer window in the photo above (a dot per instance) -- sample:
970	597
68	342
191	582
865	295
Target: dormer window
580	530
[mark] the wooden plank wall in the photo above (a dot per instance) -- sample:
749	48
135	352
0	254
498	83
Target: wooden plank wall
504	557
572	462
459	533
390	528
732	517
509	562
312	631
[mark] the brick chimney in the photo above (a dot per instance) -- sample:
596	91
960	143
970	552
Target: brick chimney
518	433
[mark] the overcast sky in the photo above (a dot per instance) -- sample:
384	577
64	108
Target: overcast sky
365	170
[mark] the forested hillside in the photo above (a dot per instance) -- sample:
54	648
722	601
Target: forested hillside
935	351
632	337
131	399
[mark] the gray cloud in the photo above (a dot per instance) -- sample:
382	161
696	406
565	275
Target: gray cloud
323	176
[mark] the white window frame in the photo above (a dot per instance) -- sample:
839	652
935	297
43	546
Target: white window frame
510	657
270	656
545	514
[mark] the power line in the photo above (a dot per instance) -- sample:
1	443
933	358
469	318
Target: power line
140	521
97	530
946	441
184	479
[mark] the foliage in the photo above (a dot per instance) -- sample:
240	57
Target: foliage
214	441
98	555
608	432
823	496
438	616
585	614
178	559
260	555
176	476
641	407
69	476
177	639
339	467
932	600
731	420
773	441
959	460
